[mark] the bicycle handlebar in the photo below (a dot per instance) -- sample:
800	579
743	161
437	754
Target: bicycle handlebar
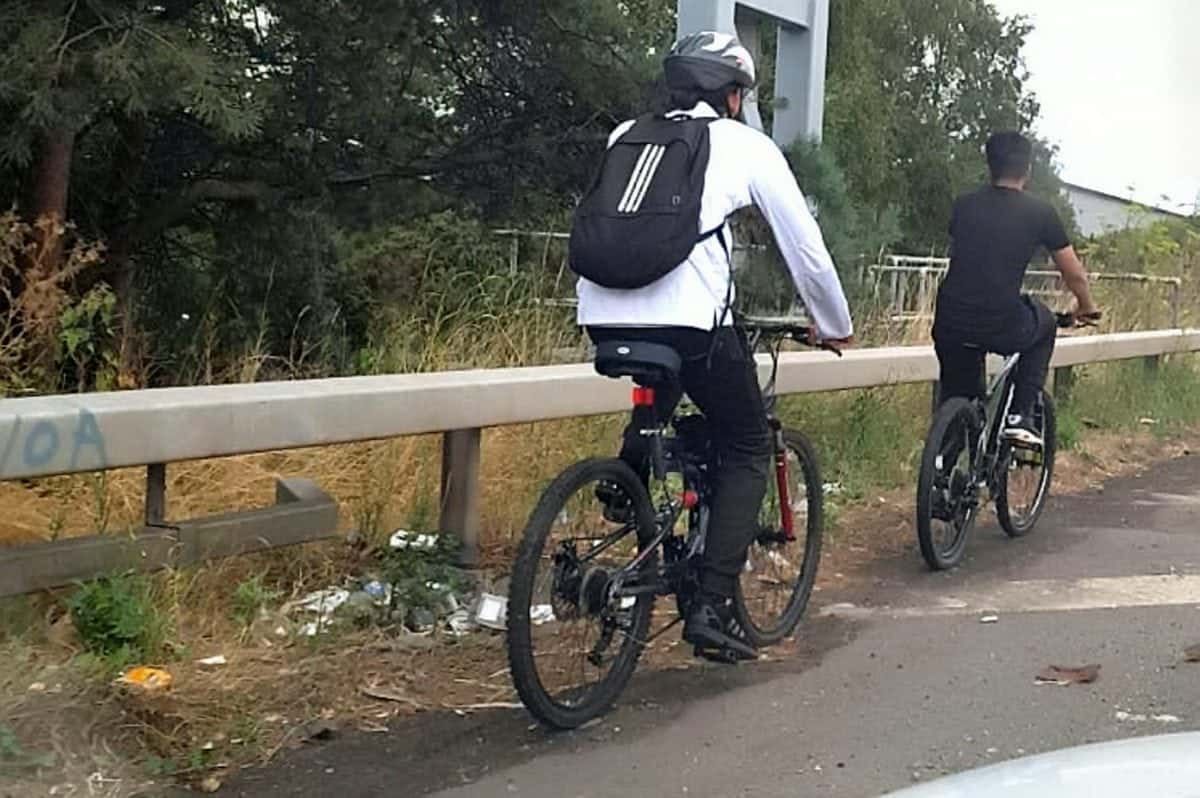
782	328
1077	319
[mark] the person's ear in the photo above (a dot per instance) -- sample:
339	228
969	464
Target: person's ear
733	103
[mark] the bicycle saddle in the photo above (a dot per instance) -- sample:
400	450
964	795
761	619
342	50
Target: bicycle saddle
648	364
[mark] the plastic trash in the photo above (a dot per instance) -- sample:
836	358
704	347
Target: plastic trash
420	619
492	611
214	661
544	613
380	592
404	539
147	679
323	602
459	623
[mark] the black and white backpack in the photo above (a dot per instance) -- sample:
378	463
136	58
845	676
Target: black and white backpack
641	217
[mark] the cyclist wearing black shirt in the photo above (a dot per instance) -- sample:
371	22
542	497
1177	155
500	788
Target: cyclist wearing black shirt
995	231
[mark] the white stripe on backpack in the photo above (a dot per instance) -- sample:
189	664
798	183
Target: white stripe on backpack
640	170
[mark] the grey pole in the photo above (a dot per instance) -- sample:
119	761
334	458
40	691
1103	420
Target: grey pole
803	31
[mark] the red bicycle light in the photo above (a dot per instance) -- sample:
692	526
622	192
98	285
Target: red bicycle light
643	397
690	499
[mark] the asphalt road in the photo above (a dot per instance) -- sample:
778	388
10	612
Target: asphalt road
896	681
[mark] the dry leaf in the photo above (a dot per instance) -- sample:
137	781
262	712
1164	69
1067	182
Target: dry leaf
1057	674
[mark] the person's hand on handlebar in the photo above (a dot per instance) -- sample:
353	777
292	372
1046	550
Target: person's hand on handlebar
1079	318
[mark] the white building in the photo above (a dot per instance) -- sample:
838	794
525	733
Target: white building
1097	212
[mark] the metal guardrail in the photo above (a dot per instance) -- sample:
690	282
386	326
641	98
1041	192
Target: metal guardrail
52	435
927	271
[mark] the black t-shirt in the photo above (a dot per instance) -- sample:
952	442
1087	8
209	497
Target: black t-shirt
994	233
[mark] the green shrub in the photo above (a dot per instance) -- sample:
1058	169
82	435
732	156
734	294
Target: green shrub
421	577
118	620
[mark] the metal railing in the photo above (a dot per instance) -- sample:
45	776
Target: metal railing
907	285
50	435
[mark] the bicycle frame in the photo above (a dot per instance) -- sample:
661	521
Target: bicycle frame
671	459
995	404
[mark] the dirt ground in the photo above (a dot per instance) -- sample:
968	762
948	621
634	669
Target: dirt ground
69	734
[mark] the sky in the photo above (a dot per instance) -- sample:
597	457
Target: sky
1119	87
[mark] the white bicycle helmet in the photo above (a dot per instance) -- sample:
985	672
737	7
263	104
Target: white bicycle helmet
709	61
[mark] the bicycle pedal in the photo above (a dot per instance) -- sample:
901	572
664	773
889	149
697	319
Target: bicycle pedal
722	656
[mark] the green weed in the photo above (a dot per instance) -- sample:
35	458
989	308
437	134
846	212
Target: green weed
13	755
1132	394
118	620
249	597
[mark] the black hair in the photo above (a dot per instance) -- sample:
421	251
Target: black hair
686	99
1009	155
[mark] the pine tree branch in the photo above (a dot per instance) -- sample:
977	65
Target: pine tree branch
175	210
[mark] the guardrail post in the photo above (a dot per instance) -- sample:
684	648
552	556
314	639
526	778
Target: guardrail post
1064	383
460	489
514	254
156	494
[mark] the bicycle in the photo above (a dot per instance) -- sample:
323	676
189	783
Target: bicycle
580	605
965	453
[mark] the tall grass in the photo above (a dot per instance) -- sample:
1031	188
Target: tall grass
1163	399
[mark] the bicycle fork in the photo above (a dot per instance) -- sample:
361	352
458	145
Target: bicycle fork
781	480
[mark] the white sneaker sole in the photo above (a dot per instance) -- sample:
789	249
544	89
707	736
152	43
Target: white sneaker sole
1024	438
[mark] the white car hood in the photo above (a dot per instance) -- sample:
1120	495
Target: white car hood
1163	766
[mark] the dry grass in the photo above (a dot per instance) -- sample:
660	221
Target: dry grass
378	486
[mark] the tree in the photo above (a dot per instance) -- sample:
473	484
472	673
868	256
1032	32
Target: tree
914	88
222	148
71	69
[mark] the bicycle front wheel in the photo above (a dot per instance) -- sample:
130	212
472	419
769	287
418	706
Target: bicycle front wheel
572	645
1025	474
946	498
777	581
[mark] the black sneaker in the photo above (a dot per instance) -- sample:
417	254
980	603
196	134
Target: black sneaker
618	508
710	627
1021	431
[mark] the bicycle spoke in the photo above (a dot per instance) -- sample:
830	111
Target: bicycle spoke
581	553
774	586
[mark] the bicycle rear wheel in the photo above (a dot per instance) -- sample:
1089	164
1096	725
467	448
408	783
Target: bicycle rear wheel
1024	479
946	496
572	646
777	581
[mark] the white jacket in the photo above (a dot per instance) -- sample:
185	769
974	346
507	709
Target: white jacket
744	168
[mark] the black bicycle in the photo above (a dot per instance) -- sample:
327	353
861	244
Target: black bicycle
585	578
966	453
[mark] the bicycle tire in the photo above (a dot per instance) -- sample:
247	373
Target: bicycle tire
537	699
756	632
1004	515
955	410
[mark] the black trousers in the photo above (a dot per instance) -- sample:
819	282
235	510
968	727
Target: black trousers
726	390
960	352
